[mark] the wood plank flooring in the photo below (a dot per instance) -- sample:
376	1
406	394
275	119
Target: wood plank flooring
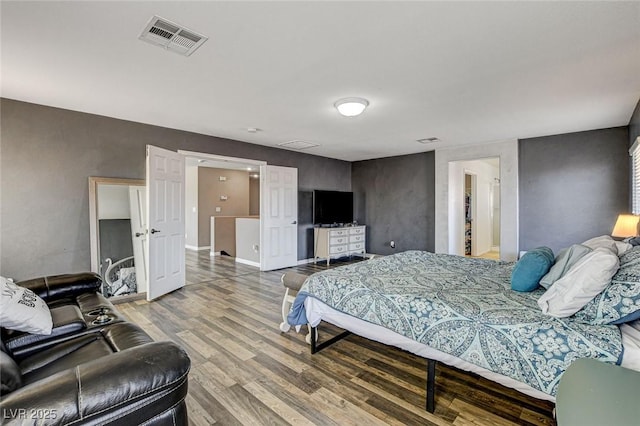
246	372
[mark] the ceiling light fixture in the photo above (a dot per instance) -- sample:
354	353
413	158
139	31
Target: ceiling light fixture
350	107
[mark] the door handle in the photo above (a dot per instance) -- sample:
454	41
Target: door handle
139	234
153	231
295	222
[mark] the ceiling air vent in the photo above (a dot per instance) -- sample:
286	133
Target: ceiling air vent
428	140
297	144
171	36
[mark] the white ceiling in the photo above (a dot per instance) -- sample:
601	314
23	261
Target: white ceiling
466	73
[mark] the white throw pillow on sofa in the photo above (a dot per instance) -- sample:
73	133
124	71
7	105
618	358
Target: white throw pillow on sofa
584	281
23	310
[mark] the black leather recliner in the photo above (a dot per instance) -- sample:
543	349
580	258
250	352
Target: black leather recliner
94	368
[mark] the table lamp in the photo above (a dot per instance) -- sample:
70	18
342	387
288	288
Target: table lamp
626	226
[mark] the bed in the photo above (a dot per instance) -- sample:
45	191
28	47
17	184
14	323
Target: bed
463	312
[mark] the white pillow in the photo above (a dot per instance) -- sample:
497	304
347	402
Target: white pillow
604	241
23	310
622	247
584	281
563	263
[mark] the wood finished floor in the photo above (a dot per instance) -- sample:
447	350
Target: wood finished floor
246	372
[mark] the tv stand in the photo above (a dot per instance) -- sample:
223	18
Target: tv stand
336	242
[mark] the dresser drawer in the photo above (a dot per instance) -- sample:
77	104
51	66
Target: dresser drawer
356	238
356	230
338	240
356	247
338	249
338	233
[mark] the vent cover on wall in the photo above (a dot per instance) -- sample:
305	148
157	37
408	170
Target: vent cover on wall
171	36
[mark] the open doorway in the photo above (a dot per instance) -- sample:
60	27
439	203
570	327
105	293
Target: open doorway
474	221
222	201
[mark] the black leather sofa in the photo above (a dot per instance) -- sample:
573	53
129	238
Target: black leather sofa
94	368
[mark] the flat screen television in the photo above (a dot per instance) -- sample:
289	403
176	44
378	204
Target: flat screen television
332	207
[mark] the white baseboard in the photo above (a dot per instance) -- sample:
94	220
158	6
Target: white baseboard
305	261
248	262
188	247
215	253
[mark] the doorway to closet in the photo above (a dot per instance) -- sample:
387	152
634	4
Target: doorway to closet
475	208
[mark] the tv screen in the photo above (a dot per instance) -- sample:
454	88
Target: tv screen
332	207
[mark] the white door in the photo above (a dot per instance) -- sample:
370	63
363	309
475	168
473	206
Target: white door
279	214
165	217
138	208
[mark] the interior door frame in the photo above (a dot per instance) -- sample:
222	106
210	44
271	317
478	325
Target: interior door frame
94	234
474	208
507	151
247	161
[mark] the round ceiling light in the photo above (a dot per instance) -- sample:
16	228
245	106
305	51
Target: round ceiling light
350	107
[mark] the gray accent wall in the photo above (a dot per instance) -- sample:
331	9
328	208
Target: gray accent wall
49	153
395	198
572	187
634	125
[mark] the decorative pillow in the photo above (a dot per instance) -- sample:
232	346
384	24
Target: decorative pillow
588	277
23	310
620	301
565	260
604	241
531	268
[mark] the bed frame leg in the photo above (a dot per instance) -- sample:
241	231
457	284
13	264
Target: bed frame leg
317	347
431	385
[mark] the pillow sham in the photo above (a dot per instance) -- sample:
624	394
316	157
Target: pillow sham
565	260
604	241
531	268
588	277
619	303
622	247
23	310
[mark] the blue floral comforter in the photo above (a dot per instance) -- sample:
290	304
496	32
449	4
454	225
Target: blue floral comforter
464	307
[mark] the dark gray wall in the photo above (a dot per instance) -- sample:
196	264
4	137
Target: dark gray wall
572	186
49	153
395	198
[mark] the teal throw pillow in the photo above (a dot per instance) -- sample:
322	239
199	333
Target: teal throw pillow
530	269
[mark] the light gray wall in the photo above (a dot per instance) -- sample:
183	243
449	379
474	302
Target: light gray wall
210	188
49	153
254	196
572	186
395	198
191	203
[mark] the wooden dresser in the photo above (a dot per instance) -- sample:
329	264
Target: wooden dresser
333	243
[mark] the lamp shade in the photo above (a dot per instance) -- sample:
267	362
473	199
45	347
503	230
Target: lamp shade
626	226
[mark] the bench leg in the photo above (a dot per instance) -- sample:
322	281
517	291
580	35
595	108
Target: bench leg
286	306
